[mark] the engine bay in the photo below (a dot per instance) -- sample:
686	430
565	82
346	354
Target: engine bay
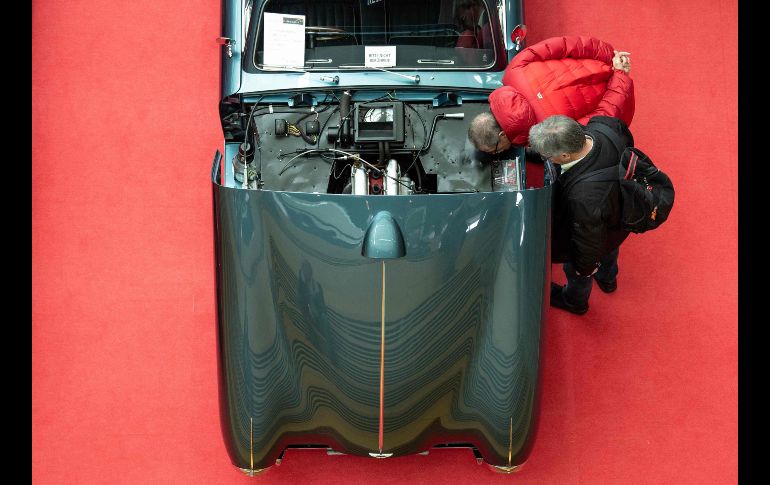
362	143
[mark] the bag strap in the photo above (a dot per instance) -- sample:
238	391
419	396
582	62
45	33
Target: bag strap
631	166
613	172
627	174
610	133
607	174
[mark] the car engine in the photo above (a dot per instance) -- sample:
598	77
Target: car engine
364	143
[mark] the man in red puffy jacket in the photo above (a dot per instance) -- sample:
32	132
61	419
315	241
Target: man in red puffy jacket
576	76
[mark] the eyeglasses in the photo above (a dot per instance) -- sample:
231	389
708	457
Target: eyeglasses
497	148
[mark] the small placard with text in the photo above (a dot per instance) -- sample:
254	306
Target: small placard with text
380	56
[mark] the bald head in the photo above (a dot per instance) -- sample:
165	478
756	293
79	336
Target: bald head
484	132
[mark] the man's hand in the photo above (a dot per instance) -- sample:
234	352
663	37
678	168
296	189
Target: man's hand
622	61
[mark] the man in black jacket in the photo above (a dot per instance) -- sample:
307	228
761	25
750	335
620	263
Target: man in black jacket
586	231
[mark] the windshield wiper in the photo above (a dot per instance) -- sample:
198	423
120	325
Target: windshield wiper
415	79
274	67
435	61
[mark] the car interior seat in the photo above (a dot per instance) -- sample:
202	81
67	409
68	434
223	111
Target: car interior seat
328	23
415	22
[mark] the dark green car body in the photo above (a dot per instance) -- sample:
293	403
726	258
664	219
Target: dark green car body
376	325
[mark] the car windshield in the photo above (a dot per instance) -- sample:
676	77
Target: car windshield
362	34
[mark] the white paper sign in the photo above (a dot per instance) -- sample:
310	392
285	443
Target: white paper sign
380	56
284	40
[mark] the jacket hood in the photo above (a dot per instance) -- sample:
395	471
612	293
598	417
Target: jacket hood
513	113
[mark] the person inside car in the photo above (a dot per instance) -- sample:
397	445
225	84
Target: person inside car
467	16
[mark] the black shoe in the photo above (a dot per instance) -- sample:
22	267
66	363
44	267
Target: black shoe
557	300
607	287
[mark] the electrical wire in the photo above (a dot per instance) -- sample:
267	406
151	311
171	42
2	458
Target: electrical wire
353	155
251	115
334	171
419	152
286	166
293	129
390	95
323	127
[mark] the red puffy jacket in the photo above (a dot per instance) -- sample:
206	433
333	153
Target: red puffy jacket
572	76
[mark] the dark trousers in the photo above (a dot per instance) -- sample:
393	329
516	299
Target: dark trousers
578	287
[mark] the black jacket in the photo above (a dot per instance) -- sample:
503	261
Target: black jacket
586	218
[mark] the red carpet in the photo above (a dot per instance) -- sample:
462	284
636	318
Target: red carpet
643	389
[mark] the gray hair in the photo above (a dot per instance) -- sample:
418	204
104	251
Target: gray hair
484	130
555	135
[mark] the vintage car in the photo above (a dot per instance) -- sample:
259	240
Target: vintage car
380	283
